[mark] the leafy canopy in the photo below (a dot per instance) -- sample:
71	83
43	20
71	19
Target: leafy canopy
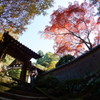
16	14
74	29
97	4
47	62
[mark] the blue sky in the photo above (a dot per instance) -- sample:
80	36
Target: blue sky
32	38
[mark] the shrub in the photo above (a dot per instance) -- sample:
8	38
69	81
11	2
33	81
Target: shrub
65	59
48	82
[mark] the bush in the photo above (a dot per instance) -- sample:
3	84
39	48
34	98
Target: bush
74	86
65	59
48	82
15	73
84	87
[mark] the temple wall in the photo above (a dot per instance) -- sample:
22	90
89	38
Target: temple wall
79	67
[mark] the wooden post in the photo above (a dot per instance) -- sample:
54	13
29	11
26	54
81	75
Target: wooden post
23	73
26	65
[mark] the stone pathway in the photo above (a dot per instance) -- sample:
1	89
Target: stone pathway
2	98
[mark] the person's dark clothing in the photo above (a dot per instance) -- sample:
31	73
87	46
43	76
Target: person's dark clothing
33	75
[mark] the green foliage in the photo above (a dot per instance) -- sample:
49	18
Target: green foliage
47	82
8	60
3	88
5	79
40	52
52	65
41	67
15	73
65	59
1	9
84	88
48	61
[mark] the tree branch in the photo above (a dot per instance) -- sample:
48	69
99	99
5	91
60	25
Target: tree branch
88	33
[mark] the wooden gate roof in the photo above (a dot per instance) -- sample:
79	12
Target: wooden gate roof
16	49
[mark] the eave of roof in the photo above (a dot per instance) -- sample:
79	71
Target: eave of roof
18	48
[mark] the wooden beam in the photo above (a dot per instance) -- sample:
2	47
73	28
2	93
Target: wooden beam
23	73
25	66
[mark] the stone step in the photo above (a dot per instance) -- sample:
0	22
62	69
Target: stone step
23	92
3	98
21	97
26	93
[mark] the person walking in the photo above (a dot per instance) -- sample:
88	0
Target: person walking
33	75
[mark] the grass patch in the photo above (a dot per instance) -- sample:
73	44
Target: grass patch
3	88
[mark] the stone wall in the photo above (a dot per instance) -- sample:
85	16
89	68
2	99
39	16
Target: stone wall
88	62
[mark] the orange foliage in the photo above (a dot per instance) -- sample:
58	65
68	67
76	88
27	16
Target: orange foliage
72	27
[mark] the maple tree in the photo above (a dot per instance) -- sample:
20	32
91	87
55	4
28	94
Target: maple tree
16	14
96	3
74	29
